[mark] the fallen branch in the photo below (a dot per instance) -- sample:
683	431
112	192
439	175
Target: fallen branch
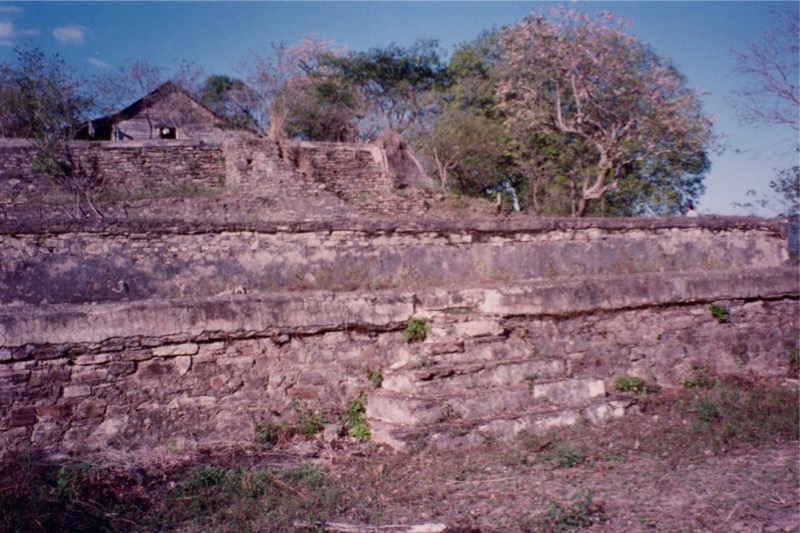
342	527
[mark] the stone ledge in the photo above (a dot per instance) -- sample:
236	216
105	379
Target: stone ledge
490	226
311	312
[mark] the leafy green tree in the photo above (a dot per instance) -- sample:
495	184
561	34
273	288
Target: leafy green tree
467	142
326	109
230	98
468	149
395	83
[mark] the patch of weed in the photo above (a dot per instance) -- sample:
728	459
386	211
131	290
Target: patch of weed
40	495
308	424
560	454
582	512
206	476
794	363
720	313
375	378
417	329
630	384
355	420
736	410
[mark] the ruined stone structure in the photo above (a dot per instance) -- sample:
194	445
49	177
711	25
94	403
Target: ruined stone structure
185	321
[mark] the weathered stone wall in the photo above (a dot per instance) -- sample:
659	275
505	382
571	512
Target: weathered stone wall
169	374
359	174
67	263
115	170
332	179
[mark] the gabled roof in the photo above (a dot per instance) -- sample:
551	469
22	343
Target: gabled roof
152	98
88	129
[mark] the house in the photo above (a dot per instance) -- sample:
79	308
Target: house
168	112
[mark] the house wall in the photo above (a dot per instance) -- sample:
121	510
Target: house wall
175	110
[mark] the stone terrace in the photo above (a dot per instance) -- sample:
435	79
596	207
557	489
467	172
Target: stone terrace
183	322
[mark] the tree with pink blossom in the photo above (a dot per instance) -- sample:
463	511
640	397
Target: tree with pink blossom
582	77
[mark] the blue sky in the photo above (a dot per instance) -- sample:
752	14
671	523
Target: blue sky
218	36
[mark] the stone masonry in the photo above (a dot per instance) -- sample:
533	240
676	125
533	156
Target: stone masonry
176	322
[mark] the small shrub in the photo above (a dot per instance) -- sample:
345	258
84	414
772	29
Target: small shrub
700	380
375	377
582	513
630	384
355	420
794	363
567	457
707	410
561	455
268	434
720	313
417	329
308	424
206	476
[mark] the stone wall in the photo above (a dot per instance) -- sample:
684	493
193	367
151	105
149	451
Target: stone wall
358	174
330	178
170	374
71	263
115	170
180	327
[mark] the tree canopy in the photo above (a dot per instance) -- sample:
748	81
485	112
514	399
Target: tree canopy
583	78
394	82
566	112
40	95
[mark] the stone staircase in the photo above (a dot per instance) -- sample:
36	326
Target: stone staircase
259	169
470	381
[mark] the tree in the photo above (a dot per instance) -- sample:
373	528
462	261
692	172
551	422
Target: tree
468	149
394	81
772	66
230	98
772	98
40	97
137	79
134	80
467	141
326	109
280	81
583	78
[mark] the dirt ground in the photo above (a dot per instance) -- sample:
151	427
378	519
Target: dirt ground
519	487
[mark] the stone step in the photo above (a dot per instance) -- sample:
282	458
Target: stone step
413	410
455	378
466	433
457	352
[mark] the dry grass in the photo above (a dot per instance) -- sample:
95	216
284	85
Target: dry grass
718	456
